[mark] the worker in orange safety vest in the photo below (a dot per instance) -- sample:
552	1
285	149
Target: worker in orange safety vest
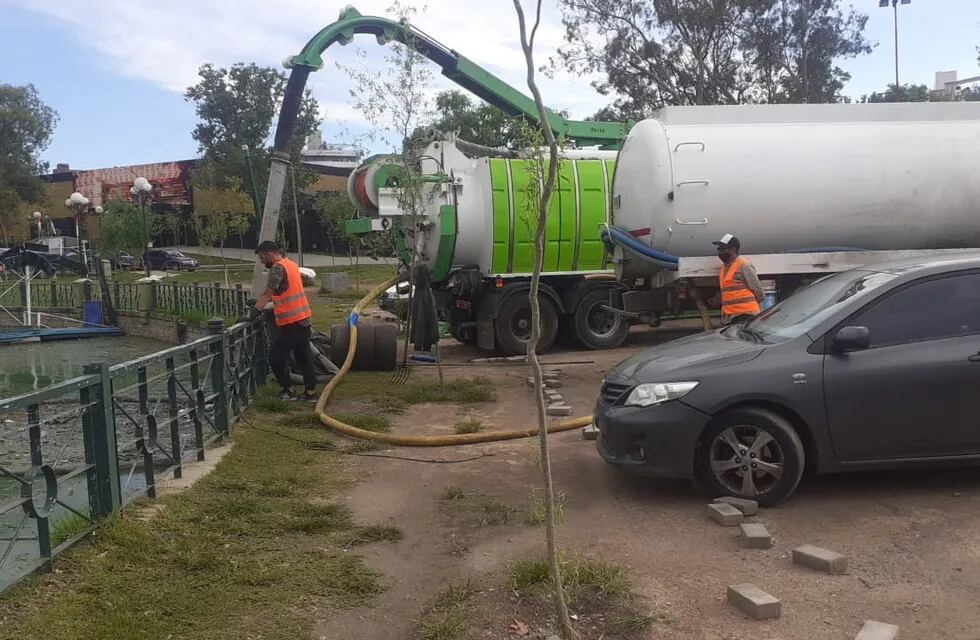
740	290
292	313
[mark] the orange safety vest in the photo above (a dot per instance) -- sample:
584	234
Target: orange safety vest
291	305
736	297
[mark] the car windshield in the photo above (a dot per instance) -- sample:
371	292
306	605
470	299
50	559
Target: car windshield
175	254
809	306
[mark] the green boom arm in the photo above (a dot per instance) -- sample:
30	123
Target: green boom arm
457	68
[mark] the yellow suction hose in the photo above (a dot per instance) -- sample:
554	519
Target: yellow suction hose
415	441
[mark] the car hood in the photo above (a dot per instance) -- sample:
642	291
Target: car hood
686	357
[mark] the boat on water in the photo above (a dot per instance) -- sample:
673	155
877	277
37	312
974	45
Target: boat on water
27	264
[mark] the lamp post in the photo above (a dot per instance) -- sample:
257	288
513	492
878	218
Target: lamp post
78	204
37	217
141	190
894	4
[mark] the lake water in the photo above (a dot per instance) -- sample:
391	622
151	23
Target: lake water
27	367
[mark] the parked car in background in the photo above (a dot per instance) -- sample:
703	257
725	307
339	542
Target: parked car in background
872	368
122	261
169	260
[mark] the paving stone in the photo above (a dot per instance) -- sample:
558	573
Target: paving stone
755	536
590	432
559	410
724	514
747	507
820	559
529	381
753	601
874	630
553	384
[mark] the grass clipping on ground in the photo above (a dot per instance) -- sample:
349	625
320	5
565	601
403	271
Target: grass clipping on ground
250	551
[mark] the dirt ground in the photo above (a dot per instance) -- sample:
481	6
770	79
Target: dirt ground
912	538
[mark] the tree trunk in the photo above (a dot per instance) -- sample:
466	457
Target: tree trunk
527	44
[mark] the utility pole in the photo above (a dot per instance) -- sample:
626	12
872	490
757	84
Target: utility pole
894	4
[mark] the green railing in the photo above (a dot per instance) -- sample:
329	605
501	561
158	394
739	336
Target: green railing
176	299
82	449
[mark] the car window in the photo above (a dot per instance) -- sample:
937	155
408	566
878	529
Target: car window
927	310
811	305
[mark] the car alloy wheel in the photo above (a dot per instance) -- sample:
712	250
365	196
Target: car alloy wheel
746	460
762	441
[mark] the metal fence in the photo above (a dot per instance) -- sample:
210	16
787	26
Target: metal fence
208	299
81	449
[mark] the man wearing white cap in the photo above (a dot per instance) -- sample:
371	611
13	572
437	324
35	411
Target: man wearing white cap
740	291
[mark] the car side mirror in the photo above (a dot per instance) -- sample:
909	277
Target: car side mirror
851	339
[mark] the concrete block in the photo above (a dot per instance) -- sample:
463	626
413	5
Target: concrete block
724	514
332	282
755	535
529	381
873	630
559	410
820	559
590	432
753	601
747	507
552	384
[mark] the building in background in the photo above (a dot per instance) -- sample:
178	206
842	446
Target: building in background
173	194
949	88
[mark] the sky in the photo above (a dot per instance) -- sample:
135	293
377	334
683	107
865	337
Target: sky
115	71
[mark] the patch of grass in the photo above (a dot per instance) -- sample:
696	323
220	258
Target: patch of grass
266	401
68	527
468	425
363	446
377	387
240	554
373	533
634	621
526	574
453	493
495	512
536	511
449	616
301	420
602	578
367	421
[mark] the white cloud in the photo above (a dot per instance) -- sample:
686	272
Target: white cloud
165	43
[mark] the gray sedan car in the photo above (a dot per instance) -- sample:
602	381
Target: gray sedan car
877	367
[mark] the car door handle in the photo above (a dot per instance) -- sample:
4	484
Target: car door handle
975	357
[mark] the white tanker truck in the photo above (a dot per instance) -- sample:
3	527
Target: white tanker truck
808	189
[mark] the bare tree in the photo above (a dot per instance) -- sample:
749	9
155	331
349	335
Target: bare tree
527	45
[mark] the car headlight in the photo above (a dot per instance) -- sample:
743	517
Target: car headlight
651	393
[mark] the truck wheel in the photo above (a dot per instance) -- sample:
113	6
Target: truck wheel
513	325
750	453
595	327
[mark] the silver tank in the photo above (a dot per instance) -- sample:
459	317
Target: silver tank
797	177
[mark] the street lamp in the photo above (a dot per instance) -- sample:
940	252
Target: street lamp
894	4
78	203
141	190
37	217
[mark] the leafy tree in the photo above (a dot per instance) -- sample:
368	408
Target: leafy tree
482	123
122	226
651	53
904	93
397	99
237	107
26	125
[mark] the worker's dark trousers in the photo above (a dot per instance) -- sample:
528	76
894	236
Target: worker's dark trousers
295	339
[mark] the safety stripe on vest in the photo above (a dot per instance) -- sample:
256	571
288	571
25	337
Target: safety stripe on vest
732	301
294	312
292	298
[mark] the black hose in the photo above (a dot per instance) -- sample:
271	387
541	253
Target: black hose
291	102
